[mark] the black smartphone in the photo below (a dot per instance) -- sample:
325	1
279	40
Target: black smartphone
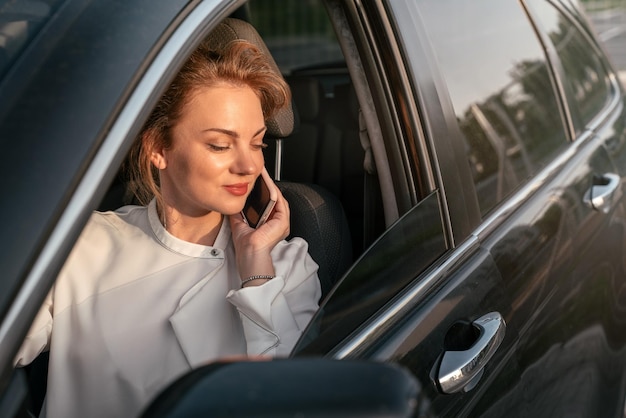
261	201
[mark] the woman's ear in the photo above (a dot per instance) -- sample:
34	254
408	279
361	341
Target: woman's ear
157	156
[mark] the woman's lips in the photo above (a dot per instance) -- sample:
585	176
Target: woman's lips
239	189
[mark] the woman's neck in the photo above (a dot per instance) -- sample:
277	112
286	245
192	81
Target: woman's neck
201	230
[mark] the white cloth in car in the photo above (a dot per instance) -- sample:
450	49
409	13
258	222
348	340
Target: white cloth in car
135	307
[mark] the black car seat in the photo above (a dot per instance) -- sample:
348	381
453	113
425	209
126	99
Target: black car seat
327	148
301	152
343	149
318	217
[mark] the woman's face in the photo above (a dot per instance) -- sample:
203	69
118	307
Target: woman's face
216	152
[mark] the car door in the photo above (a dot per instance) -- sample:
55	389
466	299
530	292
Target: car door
541	257
535	162
579	324
411	300
427	294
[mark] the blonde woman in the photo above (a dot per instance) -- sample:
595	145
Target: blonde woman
151	291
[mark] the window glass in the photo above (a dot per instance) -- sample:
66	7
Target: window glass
501	90
298	33
411	245
20	21
585	74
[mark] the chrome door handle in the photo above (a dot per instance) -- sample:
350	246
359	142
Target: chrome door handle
601	193
461	370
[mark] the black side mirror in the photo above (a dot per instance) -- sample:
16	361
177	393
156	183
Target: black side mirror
303	387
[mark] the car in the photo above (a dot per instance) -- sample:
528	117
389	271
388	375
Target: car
456	166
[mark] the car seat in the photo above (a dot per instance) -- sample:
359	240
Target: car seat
301	160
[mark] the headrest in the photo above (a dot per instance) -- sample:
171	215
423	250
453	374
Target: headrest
345	94
281	124
307	95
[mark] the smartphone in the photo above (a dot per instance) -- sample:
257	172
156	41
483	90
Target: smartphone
261	201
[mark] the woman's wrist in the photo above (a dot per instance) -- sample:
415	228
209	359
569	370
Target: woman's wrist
256	280
257	264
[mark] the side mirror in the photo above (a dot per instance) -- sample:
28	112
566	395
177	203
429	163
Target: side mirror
303	387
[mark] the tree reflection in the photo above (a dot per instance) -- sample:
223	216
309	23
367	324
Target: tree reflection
512	133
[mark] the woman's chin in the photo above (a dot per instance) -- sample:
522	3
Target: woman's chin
229	206
232	211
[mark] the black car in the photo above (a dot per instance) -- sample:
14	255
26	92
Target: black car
460	165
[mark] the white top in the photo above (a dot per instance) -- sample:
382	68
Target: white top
135	307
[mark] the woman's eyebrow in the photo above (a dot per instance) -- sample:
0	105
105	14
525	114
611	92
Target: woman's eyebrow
233	133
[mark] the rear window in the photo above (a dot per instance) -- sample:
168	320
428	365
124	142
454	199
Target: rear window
586	76
501	90
20	21
298	34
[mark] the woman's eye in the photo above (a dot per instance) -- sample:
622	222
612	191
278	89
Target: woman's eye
260	146
218	148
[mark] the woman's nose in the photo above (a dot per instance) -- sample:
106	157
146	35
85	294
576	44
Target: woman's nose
247	162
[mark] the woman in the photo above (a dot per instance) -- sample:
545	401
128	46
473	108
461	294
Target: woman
150	292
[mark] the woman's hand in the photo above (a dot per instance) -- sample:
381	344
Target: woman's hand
253	246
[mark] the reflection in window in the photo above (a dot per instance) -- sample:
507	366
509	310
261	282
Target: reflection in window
392	263
585	73
298	33
501	91
19	23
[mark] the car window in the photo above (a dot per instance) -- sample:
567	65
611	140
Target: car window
501	91
404	251
302	40
584	73
298	33
19	24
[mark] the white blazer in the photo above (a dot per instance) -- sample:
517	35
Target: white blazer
135	307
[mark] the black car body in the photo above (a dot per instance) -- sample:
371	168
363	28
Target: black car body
478	149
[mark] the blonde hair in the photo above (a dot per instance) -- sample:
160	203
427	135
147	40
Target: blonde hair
239	63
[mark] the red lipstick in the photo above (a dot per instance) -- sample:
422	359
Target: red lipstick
238	189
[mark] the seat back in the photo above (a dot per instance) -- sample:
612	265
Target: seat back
342	146
301	160
318	217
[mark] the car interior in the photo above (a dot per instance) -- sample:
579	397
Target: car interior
318	150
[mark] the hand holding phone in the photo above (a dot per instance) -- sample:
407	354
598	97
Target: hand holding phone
261	200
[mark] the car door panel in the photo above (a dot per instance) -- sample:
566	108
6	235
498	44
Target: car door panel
442	322
547	245
408	302
552	254
570	314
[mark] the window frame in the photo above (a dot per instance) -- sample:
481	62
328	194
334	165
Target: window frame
426	109
177	42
